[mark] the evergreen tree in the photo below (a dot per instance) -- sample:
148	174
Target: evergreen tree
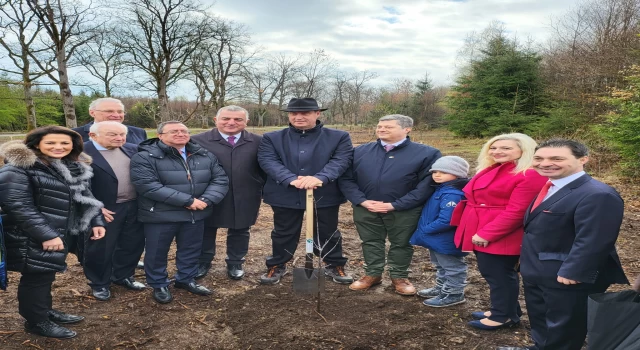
501	91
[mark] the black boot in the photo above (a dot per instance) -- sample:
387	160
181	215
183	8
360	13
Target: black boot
49	329
62	318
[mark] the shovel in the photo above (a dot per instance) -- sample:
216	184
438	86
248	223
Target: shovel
308	280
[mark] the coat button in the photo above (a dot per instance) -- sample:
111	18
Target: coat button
301	151
302	169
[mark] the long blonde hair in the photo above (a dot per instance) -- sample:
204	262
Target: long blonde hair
527	146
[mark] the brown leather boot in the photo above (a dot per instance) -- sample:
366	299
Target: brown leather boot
365	283
403	286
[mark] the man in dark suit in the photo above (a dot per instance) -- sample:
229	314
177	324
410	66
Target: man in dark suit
110	109
115	257
301	157
237	152
568	250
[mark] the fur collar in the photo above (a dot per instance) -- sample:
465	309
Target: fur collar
17	154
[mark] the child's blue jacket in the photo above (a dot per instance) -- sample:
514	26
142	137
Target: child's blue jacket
434	231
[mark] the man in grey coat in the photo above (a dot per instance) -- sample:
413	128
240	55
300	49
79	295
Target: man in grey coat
237	152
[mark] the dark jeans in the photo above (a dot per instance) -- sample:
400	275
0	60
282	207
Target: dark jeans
116	255
34	296
286	235
158	241
558	316
504	285
237	245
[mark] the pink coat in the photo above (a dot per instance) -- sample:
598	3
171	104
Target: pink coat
495	207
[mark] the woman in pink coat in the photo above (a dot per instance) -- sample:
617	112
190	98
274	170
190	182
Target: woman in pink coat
490	221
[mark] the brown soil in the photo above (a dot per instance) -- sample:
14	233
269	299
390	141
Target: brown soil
246	315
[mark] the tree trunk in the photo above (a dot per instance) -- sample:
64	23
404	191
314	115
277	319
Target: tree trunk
28	93
65	91
163	102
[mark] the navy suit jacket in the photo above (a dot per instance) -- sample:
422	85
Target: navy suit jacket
135	135
572	234
104	184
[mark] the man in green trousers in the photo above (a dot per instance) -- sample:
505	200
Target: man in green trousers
388	183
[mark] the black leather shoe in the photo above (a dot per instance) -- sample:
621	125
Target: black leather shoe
102	294
62	318
162	295
130	283
203	270
480	325
235	272
49	329
194	288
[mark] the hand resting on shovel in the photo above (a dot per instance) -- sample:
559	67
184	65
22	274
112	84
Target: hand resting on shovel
306	182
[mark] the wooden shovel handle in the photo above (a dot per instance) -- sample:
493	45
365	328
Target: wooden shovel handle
309	221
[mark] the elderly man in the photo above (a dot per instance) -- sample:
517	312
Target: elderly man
568	249
177	182
110	109
388	184
237	152
115	257
304	156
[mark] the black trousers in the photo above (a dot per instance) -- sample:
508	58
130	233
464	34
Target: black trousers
286	235
158	241
558	316
116	255
237	245
34	296
504	285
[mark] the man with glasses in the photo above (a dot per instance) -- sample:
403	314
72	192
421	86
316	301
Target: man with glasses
110	109
178	182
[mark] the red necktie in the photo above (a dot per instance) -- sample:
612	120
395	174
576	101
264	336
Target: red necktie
541	195
232	140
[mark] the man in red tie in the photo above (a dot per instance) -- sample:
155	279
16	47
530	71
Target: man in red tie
568	250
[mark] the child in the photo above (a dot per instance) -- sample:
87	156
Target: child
434	232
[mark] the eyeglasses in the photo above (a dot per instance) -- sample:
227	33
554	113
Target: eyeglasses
176	132
110	111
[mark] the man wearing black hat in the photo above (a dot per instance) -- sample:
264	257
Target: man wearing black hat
305	155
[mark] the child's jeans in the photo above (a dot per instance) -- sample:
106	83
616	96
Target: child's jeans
451	272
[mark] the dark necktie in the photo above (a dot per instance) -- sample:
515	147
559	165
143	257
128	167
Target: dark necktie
232	140
541	195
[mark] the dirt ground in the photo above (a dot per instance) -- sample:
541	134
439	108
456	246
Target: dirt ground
245	315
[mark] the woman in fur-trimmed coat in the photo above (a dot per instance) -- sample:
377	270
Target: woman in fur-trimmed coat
45	192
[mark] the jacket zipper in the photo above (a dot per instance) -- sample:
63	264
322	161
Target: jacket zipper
185	164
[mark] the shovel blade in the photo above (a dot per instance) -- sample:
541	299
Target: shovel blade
307	281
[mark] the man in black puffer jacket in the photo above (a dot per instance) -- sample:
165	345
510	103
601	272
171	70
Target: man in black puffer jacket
177	183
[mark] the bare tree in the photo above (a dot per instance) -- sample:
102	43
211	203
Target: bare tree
590	46
218	65
69	24
160	36
19	31
269	82
314	74
103	57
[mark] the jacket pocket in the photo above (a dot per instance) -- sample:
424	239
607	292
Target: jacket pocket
552	256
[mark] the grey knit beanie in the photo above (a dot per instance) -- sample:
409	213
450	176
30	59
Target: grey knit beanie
453	165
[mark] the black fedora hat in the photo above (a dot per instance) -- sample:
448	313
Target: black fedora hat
303	105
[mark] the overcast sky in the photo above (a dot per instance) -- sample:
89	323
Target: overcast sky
399	38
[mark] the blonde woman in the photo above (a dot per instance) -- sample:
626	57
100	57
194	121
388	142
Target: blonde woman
490	221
